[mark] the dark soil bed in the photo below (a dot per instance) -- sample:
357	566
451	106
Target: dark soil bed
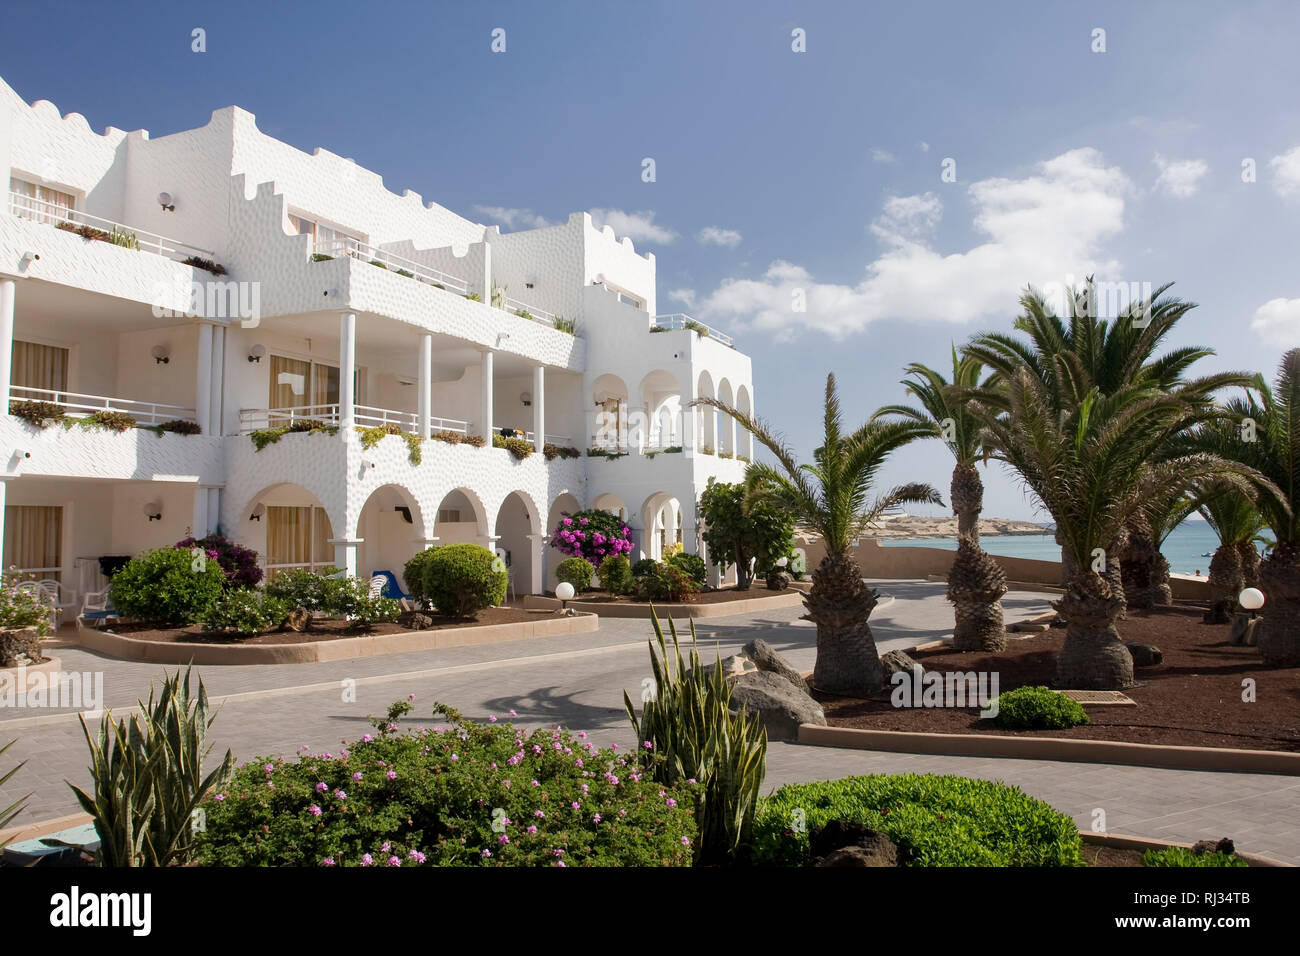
720	596
321	630
1193	698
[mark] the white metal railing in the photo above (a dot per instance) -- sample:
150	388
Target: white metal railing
148	413
365	416
524	310
679	320
39	210
563	441
393	263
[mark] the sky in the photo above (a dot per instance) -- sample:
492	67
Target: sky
902	176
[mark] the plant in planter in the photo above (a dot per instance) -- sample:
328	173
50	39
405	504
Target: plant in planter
561	324
519	447
458	579
616	574
553	452
376	262
180	426
168	587
451	438
97	421
245	613
239	563
38	414
321	257
593	535
120	237
575	571
208	265
474	441
25	618
498	297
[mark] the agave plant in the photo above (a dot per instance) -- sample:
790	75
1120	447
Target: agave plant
693	734
148	777
832	498
7	814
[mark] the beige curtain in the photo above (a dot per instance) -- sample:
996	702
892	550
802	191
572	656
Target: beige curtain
325	385
289	378
324	551
298	536
33	539
39	366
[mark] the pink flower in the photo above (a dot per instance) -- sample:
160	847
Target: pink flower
560	863
322	787
220	798
340	795
357	776
366	738
576	805
559	853
492	719
671	803
595	818
568	521
582	521
314	810
392	775
486	854
454	758
686	841
417	856
536	784
394	861
531	831
270	767
328	861
513	714
539	814
367	860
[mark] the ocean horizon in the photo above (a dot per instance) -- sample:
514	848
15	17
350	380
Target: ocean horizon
1187	548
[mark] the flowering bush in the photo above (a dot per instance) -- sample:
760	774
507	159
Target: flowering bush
460	795
241	612
301	587
239	563
593	535
168	586
21	608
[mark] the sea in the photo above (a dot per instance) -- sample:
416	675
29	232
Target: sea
1187	549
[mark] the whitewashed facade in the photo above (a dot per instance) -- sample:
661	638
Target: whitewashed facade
463	330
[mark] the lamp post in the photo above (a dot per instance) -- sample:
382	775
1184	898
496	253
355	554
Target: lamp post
1243	628
564	591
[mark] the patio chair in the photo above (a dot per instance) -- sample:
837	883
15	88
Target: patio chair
43	599
54	590
96	610
391	589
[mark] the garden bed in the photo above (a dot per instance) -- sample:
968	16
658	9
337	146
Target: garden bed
705	604
1193	698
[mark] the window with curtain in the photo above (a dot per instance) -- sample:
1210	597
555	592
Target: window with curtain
35	201
298	537
39	366
33	540
289	382
334	242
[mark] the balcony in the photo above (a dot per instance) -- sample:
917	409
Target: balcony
678	320
407	268
365	416
104	230
77	405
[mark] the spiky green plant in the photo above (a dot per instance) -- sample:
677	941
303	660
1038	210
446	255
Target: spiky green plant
686	717
147	776
8	813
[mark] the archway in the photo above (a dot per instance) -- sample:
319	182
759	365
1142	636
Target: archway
564	504
661	517
516	532
661	400
288	527
391	528
708	417
726	424
745	438
609	397
460	519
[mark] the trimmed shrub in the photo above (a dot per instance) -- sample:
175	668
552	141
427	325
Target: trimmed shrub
241	612
616	574
239	563
519	447
935	820
180	426
1037	708
413	574
474	441
168	586
300	587
644	566
560	451
1181	856
692	565
666	582
463	795
461	579
577	571
113	421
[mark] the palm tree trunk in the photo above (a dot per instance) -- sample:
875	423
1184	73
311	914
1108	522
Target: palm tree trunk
1138	568
1226	581
976	584
1114	571
1249	563
1278	631
1164	592
840	603
1094	657
967	499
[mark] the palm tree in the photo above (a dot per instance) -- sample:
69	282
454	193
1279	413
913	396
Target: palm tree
976	582
1094	467
1166	511
1235	520
831	497
1070	359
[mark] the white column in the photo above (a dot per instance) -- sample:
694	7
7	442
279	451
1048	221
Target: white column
539	413
345	554
8	295
199	526
203	391
485	409
216	406
749	441
426	385
690	415
4	489
347	378
214	508
537	564
731	441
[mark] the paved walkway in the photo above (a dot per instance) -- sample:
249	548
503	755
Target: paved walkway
578	681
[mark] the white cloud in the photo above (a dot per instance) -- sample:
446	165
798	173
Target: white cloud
637	226
882	155
685	296
1278	322
1040	229
512	218
1286	170
1180	178
716	236
924	146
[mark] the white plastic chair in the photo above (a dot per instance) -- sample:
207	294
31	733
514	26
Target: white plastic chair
54	591
95	610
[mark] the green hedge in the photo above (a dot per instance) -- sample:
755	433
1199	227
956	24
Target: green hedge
458	579
935	820
616	574
168	587
577	571
1037	708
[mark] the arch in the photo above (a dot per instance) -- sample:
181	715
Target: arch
707	423
745	438
660	524
661	407
391	526
287	530
517	538
451	522
726	424
612	503
609	397
565	503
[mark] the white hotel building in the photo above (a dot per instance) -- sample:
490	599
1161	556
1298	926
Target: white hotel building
306	325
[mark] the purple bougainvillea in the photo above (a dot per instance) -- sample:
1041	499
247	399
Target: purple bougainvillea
239	563
594	535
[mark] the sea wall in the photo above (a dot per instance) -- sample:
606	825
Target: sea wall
877	561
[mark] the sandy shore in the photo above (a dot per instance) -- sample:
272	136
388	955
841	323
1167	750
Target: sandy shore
914	526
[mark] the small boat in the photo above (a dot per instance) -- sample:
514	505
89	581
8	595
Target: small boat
1207	555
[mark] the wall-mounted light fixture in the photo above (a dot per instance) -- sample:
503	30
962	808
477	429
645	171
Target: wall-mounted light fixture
526	398
256	352
501	337
153	510
29	258
259	509
165	200
161	354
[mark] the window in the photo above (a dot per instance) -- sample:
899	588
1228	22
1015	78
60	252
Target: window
326	239
42	203
298	537
43	367
33	541
301	383
448	516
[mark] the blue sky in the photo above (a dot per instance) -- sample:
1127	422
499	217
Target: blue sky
775	170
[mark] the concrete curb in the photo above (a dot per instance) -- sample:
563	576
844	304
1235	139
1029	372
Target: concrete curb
347	648
1123	841
51	665
533	602
1053	748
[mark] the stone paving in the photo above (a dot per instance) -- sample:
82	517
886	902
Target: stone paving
578	681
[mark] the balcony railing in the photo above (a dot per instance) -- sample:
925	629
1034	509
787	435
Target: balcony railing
526	311
38	210
562	441
393	263
365	416
678	320
79	405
